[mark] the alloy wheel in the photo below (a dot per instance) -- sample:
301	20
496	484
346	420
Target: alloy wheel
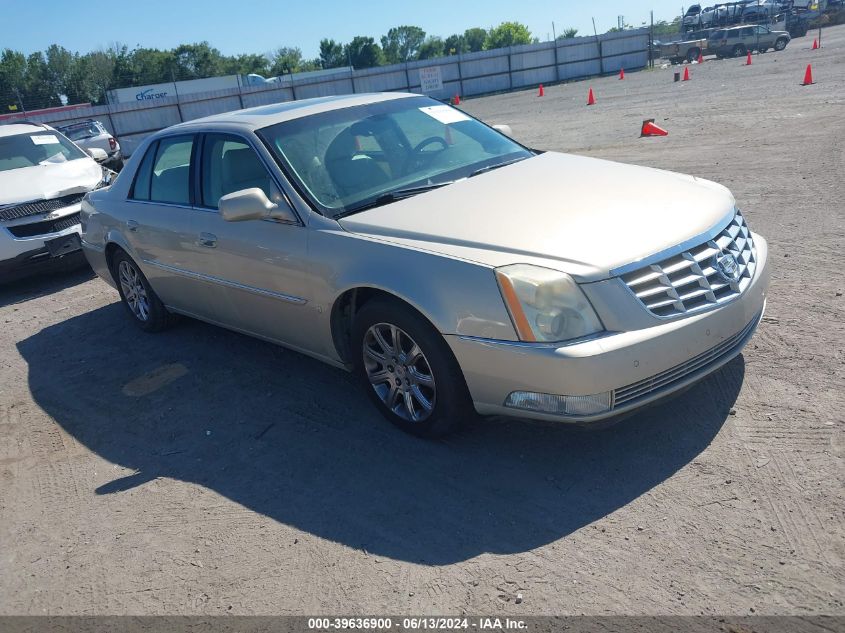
399	372
134	291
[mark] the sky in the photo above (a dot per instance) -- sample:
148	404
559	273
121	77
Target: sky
260	26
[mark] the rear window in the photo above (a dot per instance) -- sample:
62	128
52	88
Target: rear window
42	147
82	131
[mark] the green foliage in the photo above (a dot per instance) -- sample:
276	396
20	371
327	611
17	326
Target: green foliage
474	39
568	34
454	44
363	52
431	48
331	54
402	44
507	34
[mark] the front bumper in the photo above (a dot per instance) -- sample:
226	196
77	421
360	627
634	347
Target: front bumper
637	367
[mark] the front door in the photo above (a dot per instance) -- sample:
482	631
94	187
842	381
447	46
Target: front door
260	265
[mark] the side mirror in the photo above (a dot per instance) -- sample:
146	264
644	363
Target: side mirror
253	204
97	154
504	129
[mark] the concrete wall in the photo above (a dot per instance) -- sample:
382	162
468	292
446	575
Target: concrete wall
472	74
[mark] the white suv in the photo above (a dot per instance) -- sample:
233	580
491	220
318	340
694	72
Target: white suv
43	177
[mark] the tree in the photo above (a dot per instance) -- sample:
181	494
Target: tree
12	74
331	54
285	60
246	64
454	44
402	44
363	52
474	39
431	47
568	34
196	61
507	34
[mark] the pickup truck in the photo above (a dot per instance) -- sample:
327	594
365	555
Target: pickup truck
693	44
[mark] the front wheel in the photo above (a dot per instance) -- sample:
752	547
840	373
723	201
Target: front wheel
781	44
408	370
139	299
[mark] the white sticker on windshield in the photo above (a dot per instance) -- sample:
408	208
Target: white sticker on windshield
445	114
44	139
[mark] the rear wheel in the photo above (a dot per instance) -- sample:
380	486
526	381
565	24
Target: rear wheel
139	299
781	43
408	370
738	50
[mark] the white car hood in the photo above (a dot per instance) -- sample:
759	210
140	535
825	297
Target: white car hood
50	180
583	216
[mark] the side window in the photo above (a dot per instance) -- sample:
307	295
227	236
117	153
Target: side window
229	164
171	173
748	32
141	188
733	35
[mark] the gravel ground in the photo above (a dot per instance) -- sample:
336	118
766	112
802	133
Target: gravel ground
203	472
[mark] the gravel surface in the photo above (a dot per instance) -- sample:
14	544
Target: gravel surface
203	472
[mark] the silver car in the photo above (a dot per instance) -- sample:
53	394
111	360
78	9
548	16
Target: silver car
452	269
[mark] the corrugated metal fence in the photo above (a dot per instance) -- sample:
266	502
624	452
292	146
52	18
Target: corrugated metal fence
471	74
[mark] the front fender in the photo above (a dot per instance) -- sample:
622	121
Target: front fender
456	296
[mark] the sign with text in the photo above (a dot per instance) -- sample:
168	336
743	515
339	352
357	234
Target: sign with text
430	79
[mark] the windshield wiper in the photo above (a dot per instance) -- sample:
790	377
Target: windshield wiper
393	196
496	166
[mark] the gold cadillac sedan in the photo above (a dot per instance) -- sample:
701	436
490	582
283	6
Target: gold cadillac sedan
452	269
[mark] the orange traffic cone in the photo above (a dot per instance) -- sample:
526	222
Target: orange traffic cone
686	73
808	76
621	73
748	59
700	58
456	100
815	45
541	92
650	129
591	99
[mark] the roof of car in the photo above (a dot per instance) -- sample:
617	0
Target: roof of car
11	129
265	115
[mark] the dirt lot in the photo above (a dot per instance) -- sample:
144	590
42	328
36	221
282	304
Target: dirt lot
200	471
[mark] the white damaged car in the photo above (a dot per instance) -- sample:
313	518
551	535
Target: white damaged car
43	177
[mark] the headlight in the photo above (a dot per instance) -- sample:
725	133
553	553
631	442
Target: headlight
546	305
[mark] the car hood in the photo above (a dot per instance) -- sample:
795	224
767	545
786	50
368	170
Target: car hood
583	216
52	180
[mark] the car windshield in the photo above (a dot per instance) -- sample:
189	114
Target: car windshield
349	159
81	131
43	147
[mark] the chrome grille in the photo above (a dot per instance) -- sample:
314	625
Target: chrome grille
701	363
692	280
15	211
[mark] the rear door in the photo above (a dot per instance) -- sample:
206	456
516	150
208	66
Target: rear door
162	227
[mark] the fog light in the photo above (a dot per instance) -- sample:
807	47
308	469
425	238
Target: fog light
560	405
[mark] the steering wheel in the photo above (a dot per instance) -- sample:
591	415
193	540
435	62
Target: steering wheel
416	154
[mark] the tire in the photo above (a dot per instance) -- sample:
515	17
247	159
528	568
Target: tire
427	394
781	43
738	50
136	294
692	54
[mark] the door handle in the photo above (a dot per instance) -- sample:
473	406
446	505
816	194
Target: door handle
208	240
132	225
